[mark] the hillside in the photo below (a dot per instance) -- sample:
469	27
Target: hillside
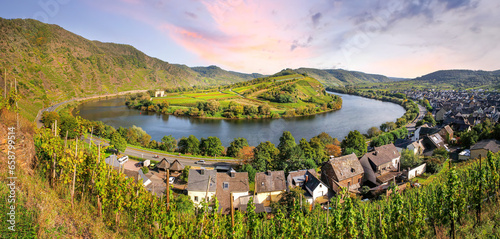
285	94
462	78
51	64
339	77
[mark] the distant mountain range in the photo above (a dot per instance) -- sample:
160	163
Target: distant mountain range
462	78
52	64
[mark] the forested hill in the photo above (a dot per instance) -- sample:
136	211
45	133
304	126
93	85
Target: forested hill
51	64
339	77
462	78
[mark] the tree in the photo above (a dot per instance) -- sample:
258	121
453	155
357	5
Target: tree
373	131
250	170
169	143
409	159
118	142
264	109
185	173
332	149
69	124
433	166
265	155
388	126
212	107
319	150
309	151
235	146
355	141
429	119
211	146
246	153
189	145
325	138
49	117
287	143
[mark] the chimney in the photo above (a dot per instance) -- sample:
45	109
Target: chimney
268	172
307	177
233	173
375	153
202	171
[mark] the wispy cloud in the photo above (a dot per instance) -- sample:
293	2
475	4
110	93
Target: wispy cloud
266	36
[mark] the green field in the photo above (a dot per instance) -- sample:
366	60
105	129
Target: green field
282	95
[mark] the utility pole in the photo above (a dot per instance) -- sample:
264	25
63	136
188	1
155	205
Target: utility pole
168	189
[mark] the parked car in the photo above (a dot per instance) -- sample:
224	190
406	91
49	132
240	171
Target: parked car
171	180
200	161
122	159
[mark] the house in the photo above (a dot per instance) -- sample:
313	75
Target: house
243	201
268	187
432	142
417	147
381	165
481	148
159	93
440	114
137	176
231	186
345	171
297	178
316	190
199	185
446	133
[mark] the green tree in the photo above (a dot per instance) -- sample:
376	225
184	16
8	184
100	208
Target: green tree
189	145
355	141
409	159
250	170
373	131
325	138
235	146
169	143
69	124
118	142
211	146
49	117
287	143
265	156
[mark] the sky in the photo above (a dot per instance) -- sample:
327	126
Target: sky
389	37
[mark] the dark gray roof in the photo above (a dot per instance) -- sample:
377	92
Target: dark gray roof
198	182
346	166
312	181
383	154
298	176
270	181
489	144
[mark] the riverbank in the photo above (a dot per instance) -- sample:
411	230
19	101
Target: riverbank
55	107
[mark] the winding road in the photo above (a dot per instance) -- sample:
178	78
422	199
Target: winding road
146	154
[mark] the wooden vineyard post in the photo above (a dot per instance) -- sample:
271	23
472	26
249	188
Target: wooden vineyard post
232	209
74	175
168	189
90	142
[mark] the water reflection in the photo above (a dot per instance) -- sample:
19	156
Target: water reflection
357	113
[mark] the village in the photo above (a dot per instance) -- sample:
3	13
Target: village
368	176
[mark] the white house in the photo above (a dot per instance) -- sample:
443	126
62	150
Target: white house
315	188
198	183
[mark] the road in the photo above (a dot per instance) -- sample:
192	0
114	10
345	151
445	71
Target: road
421	113
38	119
182	159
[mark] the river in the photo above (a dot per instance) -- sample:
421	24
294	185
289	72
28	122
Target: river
357	113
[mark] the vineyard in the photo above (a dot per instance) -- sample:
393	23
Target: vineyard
450	206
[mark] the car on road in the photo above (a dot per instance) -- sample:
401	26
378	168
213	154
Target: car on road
200	162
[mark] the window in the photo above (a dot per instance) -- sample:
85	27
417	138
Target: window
225	185
196	198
